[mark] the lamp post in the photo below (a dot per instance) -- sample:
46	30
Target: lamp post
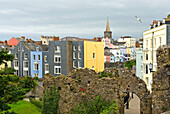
151	67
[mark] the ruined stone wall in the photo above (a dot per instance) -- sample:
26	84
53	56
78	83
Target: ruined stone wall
110	88
161	82
116	64
163	55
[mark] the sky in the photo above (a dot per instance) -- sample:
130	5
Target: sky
78	18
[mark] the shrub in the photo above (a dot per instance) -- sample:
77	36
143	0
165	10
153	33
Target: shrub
50	101
102	74
96	106
130	64
36	102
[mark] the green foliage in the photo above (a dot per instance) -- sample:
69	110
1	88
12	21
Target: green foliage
102	74
50	101
97	106
4	56
24	107
7	70
13	89
36	103
130	64
40	98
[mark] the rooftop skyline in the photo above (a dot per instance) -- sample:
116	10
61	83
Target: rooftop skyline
84	19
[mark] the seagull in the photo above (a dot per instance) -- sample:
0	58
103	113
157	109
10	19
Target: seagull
138	19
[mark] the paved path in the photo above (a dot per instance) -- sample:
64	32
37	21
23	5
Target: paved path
134	106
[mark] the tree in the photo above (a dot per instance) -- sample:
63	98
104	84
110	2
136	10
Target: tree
50	101
4	56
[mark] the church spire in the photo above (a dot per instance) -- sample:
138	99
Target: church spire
107	26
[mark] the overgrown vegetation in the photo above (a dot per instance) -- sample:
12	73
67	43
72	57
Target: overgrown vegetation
13	89
130	64
97	106
50	101
37	103
103	74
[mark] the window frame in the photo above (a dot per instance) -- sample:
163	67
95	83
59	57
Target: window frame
55	68
57	56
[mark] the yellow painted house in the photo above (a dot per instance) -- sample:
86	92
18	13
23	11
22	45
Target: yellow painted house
94	55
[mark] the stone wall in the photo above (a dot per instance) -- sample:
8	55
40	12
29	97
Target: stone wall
161	79
110	88
37	91
116	64
163	55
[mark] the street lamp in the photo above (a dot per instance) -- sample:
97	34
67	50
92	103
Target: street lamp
151	67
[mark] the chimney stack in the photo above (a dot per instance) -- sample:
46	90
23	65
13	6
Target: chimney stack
23	37
55	38
6	41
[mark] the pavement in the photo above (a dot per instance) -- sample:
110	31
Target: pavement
134	105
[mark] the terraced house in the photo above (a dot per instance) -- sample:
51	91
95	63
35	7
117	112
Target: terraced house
59	57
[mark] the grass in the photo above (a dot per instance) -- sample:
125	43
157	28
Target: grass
24	107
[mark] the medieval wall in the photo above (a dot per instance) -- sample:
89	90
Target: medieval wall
111	87
161	79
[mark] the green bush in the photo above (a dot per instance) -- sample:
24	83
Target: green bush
97	106
13	89
102	74
130	64
50	101
36	102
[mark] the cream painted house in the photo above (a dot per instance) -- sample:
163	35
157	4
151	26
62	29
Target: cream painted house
2	66
130	42
45	39
157	35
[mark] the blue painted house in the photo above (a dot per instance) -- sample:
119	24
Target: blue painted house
38	61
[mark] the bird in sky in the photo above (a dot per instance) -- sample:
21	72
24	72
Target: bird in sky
138	19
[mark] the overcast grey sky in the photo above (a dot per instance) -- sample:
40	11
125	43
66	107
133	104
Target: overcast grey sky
81	18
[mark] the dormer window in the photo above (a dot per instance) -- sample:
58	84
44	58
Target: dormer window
57	49
37	48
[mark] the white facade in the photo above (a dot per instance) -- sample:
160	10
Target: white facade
152	39
130	42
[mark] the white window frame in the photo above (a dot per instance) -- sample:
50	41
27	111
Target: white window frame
15	63
36	75
79	47
74	47
36	66
46	70
57	56
16	55
57	67
24	64
57	49
37	48
74	55
45	58
74	64
25	57
79	56
79	64
24	73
